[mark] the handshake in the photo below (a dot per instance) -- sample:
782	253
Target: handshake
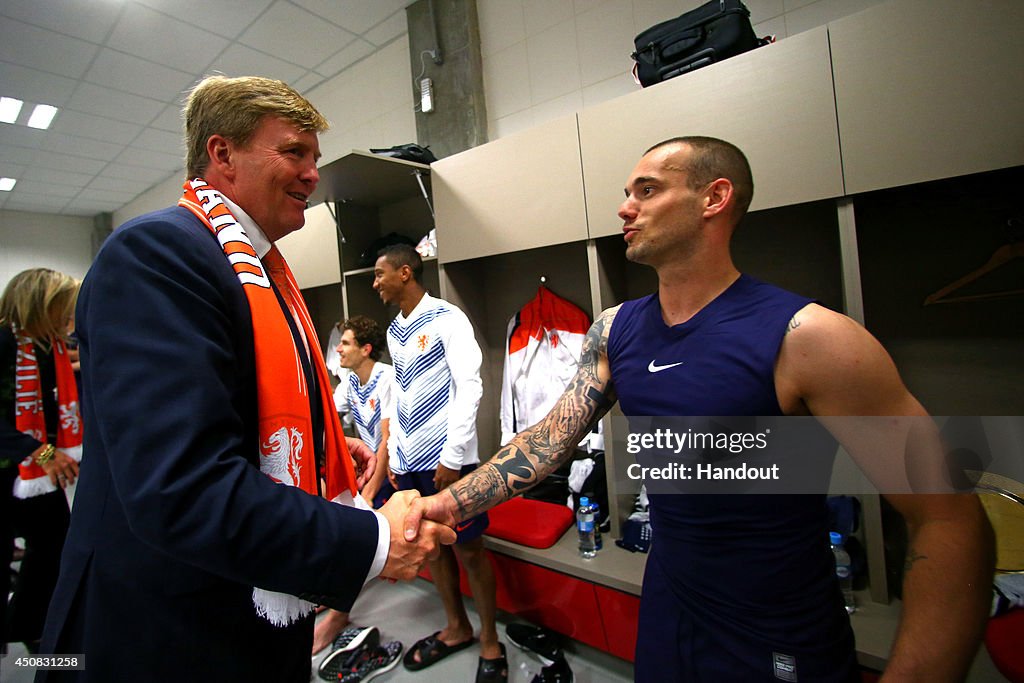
415	539
419	526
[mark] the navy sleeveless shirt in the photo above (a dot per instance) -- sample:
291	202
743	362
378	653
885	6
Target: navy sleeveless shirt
752	574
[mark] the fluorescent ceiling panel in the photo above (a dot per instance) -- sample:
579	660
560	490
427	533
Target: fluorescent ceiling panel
42	116
9	109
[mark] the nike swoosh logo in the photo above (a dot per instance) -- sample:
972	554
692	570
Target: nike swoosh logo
463	526
654	367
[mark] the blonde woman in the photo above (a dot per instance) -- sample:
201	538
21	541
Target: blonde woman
40	441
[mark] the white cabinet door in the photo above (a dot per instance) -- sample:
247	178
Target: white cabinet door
518	192
312	252
775	103
929	89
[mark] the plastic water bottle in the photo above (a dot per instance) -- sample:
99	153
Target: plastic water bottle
843	570
596	509
585	526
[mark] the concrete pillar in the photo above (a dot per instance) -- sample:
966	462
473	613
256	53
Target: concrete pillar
102	226
459	119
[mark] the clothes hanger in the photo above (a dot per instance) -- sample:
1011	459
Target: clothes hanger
543	285
1004	254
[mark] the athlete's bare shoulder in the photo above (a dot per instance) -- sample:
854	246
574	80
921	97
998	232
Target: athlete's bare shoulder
833	366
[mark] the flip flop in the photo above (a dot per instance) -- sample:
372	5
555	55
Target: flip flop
431	650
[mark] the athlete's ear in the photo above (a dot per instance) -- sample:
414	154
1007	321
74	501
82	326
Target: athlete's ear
718	198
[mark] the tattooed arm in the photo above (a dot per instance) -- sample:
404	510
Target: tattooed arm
536	452
831	366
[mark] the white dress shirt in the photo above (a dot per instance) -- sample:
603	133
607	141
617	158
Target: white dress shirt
262	245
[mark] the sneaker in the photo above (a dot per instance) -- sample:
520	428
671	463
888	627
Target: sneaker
351	637
370	662
349	641
557	672
539	641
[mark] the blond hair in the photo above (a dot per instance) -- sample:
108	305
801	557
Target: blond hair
234	107
41	303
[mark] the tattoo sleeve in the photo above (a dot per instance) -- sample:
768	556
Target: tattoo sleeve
536	452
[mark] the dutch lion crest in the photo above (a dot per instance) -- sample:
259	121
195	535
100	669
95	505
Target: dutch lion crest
69	417
279	456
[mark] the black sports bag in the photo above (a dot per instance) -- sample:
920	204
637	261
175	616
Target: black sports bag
714	31
410	151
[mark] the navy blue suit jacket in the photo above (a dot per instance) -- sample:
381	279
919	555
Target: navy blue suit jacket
173	523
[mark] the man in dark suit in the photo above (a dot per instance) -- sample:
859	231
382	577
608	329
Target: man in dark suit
201	539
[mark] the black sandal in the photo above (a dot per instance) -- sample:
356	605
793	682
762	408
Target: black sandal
493	670
431	650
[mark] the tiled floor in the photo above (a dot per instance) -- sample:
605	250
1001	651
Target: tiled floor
409	611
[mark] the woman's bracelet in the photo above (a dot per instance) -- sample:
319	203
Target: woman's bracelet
46	455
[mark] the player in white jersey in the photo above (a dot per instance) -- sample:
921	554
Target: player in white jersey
368	392
433	442
366	389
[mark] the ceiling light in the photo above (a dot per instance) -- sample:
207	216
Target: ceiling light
7	184
9	109
42	116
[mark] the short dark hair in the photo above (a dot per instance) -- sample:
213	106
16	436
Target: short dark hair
366	331
712	159
399	255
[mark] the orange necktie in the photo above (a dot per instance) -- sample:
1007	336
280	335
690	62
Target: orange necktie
273	261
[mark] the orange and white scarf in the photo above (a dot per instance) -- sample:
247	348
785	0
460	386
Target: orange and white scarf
282	395
28	412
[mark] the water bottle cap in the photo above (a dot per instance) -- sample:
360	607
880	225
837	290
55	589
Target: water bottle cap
584	500
835	537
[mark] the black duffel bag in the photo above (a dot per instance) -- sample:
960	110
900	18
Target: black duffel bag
714	31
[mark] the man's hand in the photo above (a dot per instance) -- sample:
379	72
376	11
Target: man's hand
364	458
439	507
406	557
444	477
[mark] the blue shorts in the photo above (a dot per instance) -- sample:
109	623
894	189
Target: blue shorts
385	492
675	643
423	482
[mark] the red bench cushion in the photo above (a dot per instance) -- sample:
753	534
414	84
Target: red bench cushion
1003	638
533	523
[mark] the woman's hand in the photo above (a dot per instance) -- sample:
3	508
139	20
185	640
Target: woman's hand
61	468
